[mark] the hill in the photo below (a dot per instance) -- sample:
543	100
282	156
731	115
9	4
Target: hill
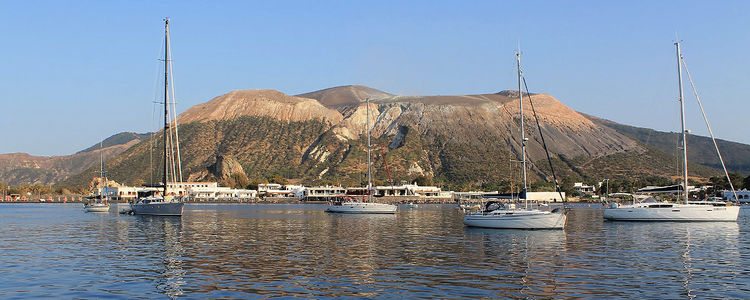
463	141
23	169
700	148
117	139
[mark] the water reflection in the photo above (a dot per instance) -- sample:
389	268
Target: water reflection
249	251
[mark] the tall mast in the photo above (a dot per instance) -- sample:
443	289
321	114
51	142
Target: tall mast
682	120
523	131
101	171
369	172
166	103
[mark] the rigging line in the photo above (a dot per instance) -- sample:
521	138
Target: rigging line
152	141
174	114
170	154
544	143
152	144
711	132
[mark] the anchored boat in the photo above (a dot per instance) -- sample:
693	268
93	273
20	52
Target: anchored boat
149	203
687	210
498	215
352	205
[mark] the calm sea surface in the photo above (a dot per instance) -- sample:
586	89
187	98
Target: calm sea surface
258	251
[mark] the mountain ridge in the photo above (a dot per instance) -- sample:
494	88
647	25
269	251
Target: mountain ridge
463	141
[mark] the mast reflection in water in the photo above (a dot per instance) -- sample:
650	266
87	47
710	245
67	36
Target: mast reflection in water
247	251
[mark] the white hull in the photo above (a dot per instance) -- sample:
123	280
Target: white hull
96	208
677	212
362	208
158	208
517	219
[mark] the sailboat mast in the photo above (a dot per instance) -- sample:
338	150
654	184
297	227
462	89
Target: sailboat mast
369	171
523	131
166	103
682	120
101	171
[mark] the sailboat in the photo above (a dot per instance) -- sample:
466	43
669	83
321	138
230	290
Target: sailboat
497	215
351	205
101	203
148	202
687	210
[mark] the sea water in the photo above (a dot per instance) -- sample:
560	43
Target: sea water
254	251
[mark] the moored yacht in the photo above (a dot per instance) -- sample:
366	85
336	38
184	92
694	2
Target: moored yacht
97	206
352	205
149	203
666	211
511	218
497	215
101	203
687	210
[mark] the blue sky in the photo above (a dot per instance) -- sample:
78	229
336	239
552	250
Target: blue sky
63	64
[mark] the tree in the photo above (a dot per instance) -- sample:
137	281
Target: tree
746	182
253	185
567	186
737	180
276	178
422	180
237	181
721	183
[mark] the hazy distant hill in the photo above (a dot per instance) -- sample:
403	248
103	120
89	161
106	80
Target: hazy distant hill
700	149
22	168
117	139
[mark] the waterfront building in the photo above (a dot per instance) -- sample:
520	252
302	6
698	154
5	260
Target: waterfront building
411	190
275	190
743	196
583	189
194	191
323	193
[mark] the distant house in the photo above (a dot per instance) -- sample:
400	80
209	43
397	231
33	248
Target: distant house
583	189
195	191
743	196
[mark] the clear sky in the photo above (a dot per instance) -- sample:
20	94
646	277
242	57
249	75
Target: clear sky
73	72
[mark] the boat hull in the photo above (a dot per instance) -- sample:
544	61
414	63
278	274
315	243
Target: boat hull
691	213
158	208
97	208
517	221
362	208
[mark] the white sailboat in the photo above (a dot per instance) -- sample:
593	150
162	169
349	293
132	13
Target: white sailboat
101	203
165	204
687	210
352	205
501	217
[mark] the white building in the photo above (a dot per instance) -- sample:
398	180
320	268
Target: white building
278	190
743	196
545	196
195	191
412	190
583	188
320	193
